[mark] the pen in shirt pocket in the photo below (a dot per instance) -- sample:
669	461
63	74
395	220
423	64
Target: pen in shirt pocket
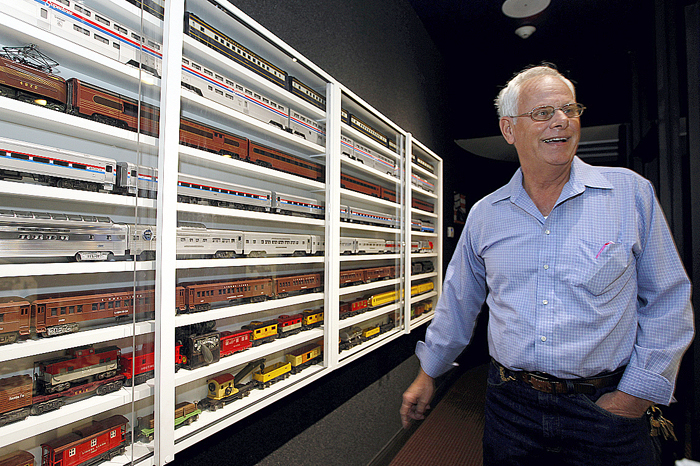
603	248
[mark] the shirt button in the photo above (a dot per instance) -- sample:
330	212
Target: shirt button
546	232
543	338
545	302
546	266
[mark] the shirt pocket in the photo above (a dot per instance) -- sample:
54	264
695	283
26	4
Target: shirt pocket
598	266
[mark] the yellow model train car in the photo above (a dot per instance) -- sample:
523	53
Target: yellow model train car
422	288
271	374
220	386
383	298
370	332
304	356
312	318
262	331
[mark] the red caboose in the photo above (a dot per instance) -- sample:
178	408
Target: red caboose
80	365
289	325
100	441
15	319
233	342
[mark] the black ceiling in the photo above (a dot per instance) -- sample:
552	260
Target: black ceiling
593	42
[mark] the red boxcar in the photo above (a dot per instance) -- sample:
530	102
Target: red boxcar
358	185
15	319
100	441
205	137
59	315
15	398
90	101
353	308
138	368
233	342
272	158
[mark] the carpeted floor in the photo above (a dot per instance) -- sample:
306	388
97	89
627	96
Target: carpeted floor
451	434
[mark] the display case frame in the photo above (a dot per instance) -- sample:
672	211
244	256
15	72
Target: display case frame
168	271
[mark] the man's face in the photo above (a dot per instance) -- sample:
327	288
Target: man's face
543	143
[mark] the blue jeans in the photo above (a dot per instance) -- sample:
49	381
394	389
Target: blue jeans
524	426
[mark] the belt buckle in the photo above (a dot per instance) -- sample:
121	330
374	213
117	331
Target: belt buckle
544	384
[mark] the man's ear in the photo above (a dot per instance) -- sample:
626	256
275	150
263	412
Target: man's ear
506	125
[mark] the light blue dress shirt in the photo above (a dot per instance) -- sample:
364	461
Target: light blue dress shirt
594	286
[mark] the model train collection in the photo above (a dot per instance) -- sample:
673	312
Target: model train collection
28	75
78	98
26	234
52	315
86	371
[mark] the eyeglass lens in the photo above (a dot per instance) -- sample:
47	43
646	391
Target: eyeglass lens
547	112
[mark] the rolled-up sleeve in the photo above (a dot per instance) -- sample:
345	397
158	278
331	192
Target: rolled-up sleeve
665	316
459	305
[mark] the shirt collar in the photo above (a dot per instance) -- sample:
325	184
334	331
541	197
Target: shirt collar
582	175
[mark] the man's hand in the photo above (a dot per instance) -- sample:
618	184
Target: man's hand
624	405
416	400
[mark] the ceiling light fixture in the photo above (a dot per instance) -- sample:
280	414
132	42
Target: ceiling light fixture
525	31
523	8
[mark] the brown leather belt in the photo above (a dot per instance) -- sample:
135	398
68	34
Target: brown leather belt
549	384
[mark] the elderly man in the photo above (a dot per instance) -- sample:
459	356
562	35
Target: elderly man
589	304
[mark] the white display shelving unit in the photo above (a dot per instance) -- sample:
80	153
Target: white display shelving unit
413	237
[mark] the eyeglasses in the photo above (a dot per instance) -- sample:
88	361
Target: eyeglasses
546	112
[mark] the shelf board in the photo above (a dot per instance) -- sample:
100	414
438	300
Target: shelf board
73	412
422	319
11	188
23	348
245	262
50	120
72	268
345	290
369	257
247	214
250	169
252	126
212	422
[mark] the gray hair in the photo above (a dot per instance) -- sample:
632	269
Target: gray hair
507	100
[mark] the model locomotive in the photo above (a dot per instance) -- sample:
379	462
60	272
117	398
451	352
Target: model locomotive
83	370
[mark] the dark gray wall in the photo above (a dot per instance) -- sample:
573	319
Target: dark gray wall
381	52
377	49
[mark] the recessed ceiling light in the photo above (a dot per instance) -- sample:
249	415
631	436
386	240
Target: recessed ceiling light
523	8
